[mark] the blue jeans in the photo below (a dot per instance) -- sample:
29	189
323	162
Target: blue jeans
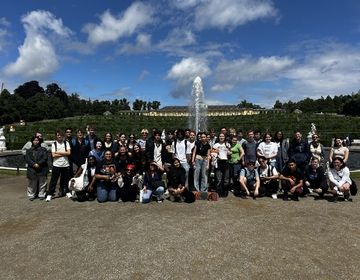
106	192
158	193
200	170
186	167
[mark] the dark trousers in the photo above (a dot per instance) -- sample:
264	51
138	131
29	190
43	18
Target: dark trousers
234	172
269	188
128	193
222	178
64	174
191	179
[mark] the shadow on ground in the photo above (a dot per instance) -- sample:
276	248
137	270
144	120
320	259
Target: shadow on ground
228	239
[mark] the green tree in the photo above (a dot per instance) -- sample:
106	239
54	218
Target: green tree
28	89
55	91
155	105
245	104
138	104
11	107
278	105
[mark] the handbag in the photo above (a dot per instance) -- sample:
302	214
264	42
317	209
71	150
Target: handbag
77	183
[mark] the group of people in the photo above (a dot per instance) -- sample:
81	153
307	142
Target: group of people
182	165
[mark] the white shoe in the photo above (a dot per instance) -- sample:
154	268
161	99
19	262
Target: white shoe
274	196
69	195
48	198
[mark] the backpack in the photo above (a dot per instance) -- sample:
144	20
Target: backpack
55	144
65	143
270	171
252	174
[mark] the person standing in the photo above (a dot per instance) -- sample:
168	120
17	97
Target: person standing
222	170
282	154
80	148
237	154
299	151
268	149
339	150
91	137
60	151
37	167
181	150
155	150
249	148
200	161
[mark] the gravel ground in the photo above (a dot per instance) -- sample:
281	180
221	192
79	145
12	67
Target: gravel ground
228	239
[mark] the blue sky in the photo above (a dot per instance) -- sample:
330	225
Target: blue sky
258	50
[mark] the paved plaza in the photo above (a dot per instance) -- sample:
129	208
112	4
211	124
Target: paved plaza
229	239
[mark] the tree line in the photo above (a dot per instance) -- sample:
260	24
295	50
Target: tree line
342	104
31	102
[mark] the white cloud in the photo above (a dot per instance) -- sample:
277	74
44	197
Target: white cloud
331	72
187	70
37	56
176	39
186	4
118	93
216	102
184	72
111	27
4	33
41	21
142	45
143	75
230	13
229	74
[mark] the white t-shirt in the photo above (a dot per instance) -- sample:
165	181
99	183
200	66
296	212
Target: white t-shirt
60	147
180	152
268	150
265	172
222	150
157	154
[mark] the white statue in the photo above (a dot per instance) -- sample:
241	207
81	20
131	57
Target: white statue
311	132
313	129
2	140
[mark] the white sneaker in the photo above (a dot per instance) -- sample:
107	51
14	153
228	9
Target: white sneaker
48	198
274	196
69	195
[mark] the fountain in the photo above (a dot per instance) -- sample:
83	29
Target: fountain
197	107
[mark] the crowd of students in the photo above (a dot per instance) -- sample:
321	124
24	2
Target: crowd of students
182	165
